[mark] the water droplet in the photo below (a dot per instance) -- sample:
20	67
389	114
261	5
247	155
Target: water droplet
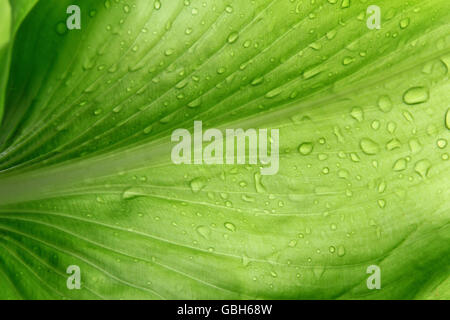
230	226
385	103
157	5
404	23
442	143
416	95
197	184
343	174
126	8
258	183
305	148
447	119
393	144
318	271
422	167
169	52
354	157
414	146
382	186
369	146
257	81
221	70
132	193
400	165
273	93
347	60
341	251
357	114
375	125
233	37
148	129
203	231
61	28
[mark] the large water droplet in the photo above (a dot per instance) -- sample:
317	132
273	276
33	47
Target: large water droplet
422	167
416	95
369	146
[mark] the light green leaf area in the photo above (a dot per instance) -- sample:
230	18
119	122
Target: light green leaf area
86	176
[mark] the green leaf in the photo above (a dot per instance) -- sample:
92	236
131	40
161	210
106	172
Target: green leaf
86	176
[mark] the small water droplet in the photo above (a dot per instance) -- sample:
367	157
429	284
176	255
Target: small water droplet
341	251
230	226
197	184
61	28
404	23
305	148
347	60
233	37
442	143
385	103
